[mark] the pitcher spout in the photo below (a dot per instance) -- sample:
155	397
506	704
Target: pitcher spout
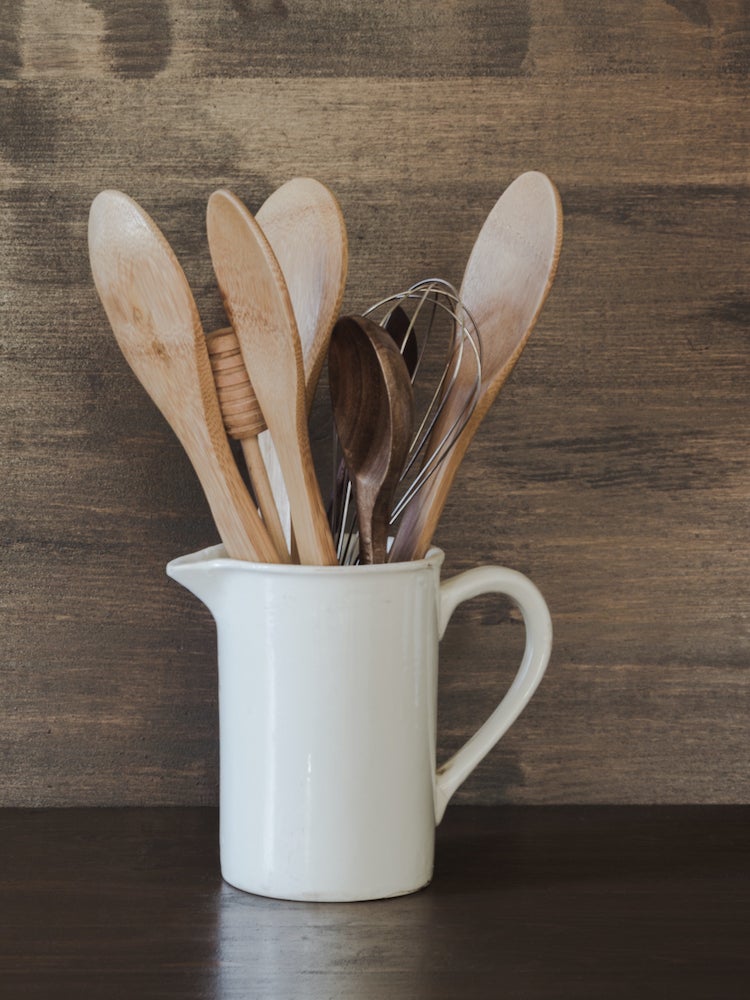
200	572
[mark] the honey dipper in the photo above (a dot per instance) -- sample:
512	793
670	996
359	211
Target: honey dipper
243	421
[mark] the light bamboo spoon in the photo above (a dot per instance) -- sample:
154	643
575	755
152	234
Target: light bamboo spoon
155	321
244	422
305	228
508	275
257	301
304	225
373	408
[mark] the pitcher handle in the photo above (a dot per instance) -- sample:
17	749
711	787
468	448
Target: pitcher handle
536	616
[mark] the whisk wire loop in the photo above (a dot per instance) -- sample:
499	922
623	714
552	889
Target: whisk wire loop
435	313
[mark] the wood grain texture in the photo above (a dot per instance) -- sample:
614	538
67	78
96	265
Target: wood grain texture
549	902
613	467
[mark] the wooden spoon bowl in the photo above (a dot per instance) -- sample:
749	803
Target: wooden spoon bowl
373	408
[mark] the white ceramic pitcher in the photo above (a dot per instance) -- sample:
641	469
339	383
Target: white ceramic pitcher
327	717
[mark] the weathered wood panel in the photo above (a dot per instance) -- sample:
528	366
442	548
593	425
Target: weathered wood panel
246	38
613	468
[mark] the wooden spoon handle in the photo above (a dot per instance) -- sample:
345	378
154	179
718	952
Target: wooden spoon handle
264	494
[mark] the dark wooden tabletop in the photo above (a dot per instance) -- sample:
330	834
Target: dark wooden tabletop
553	902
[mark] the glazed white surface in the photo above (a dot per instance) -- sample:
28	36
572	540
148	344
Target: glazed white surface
327	715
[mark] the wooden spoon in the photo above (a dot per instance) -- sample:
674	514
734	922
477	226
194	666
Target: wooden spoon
261	313
304	225
373	407
155	321
399	328
508	275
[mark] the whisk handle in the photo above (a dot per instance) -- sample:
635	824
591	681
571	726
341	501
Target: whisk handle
536	616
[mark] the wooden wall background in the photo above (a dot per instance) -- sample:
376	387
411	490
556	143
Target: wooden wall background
613	469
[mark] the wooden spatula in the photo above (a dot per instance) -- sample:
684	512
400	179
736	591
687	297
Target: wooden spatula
304	225
258	305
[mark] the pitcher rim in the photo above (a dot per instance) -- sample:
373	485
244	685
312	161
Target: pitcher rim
215	557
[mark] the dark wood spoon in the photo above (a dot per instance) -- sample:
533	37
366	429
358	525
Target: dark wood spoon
373	408
402	332
399	328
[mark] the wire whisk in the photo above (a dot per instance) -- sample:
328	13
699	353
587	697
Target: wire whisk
428	321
